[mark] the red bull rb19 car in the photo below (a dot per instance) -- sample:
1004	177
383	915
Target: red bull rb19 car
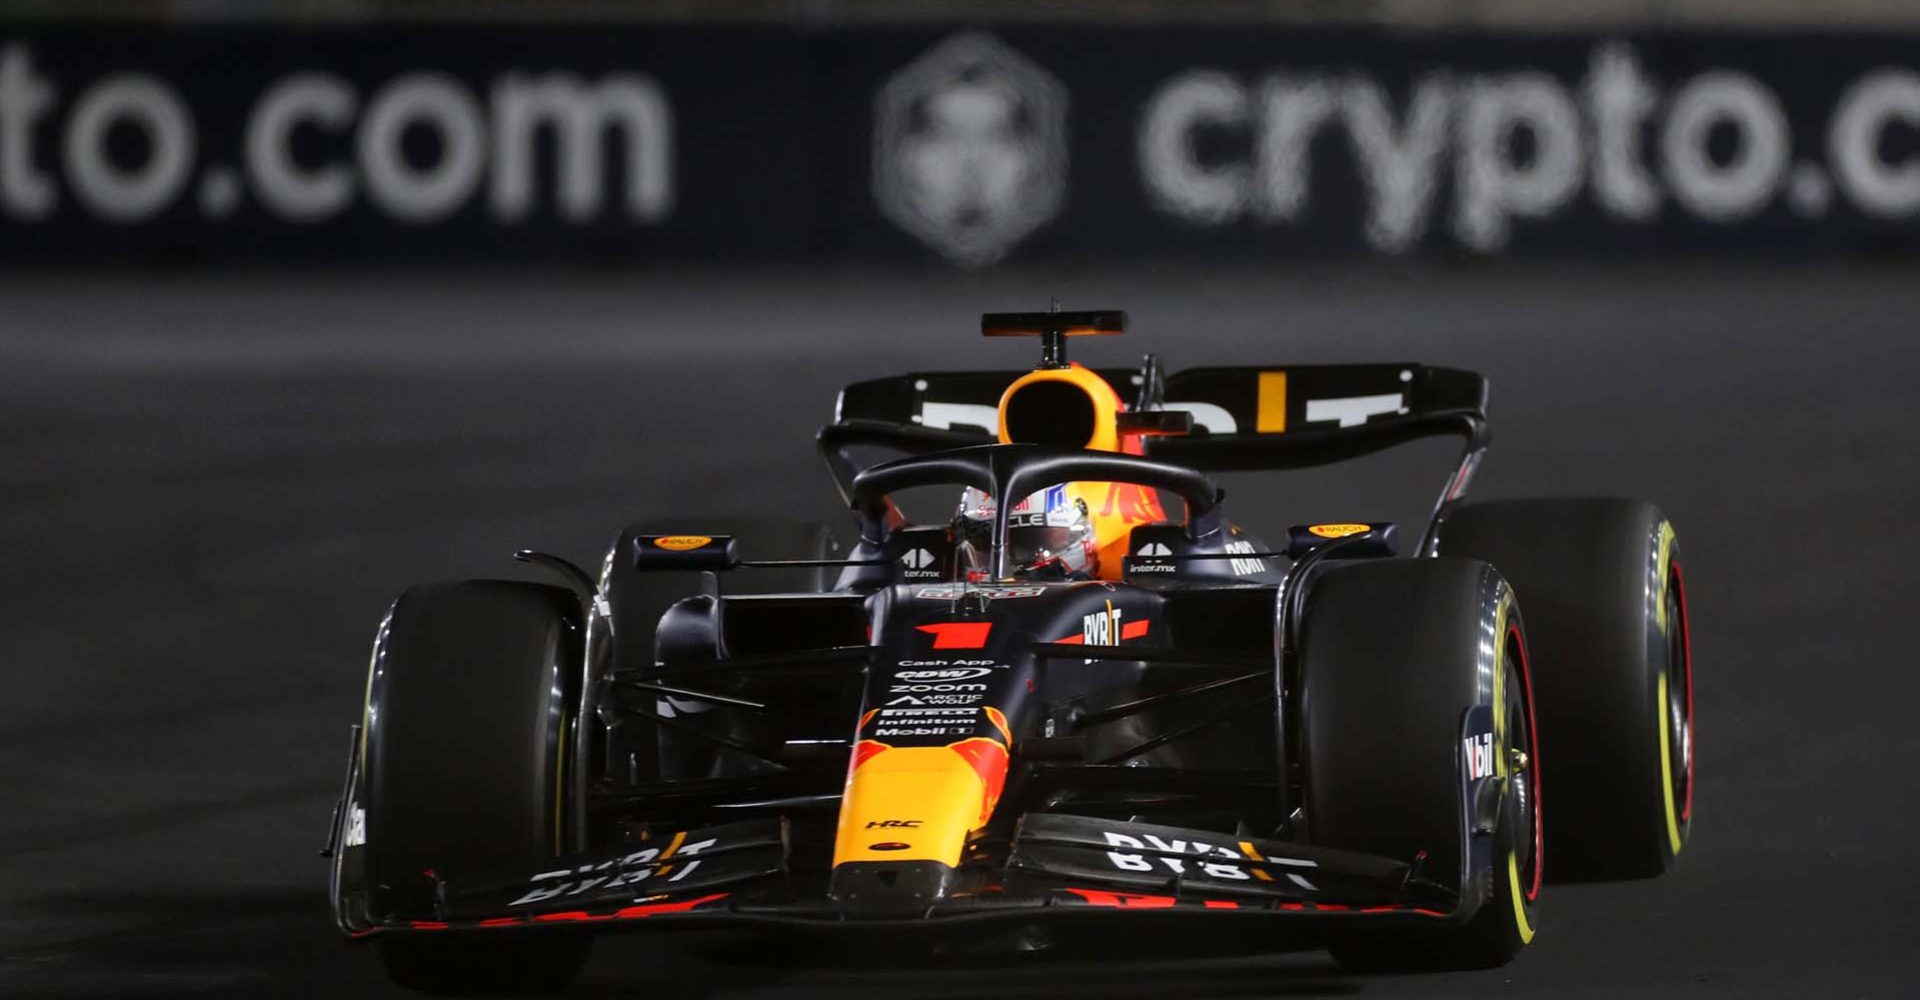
1080	692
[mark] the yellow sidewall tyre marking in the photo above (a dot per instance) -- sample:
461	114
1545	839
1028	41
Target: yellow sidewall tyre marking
1520	921
1666	772
1661	562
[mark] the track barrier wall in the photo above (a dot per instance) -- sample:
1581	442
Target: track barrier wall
123	143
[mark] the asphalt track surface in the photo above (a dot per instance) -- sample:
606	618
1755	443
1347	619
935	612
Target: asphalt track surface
212	487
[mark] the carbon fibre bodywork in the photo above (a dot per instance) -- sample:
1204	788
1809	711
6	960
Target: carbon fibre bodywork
926	742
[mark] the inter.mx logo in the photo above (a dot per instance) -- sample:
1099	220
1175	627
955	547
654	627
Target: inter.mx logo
921	564
970	148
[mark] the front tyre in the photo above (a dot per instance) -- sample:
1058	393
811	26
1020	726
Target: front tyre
1401	660
1606	598
461	769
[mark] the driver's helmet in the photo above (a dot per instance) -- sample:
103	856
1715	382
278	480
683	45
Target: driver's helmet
1050	535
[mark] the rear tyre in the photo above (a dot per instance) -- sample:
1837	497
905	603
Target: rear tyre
463	772
1394	655
1606	600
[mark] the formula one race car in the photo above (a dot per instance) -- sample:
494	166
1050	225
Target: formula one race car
1080	692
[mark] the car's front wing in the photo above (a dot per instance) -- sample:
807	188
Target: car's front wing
1056	866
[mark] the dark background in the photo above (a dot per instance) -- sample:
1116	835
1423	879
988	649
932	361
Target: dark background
773	138
214	476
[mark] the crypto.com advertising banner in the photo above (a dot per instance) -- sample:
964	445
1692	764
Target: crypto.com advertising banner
516	142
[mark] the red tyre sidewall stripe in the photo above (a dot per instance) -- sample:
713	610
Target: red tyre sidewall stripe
1533	762
1686	666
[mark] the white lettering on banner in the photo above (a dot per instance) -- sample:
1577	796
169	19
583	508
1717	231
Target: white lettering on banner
25	193
1398	164
1292	112
1494	185
1867	109
422	193
1174	174
584	117
300	194
970	149
1521	143
1747	182
129	194
474	140
1620	99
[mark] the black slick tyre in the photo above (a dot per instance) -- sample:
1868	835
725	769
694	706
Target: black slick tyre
1396	667
1605	593
463	763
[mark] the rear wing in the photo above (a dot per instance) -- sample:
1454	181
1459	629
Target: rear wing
1244	418
1307	415
967	402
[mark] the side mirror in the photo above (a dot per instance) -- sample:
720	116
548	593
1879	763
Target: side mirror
1359	539
712	553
